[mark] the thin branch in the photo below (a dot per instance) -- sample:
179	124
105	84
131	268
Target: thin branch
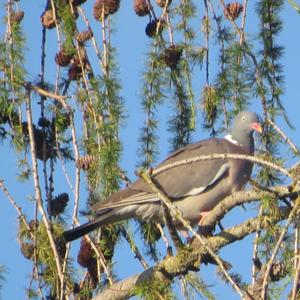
38	195
133	247
242	36
284	136
16	206
224	156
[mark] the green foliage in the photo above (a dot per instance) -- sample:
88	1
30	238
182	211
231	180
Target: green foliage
103	125
181	125
68	25
193	285
152	98
153	290
42	252
270	67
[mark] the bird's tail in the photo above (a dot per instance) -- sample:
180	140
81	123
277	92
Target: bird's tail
107	216
81	230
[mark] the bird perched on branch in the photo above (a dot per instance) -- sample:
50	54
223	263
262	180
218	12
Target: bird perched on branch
195	188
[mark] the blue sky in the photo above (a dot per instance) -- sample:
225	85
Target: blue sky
131	43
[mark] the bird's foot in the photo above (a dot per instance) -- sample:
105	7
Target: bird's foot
203	228
203	216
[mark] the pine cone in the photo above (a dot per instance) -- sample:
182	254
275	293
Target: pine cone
278	271
233	10
17	17
87	260
141	7
85	255
43	122
172	56
59	203
74	72
84	36
47	19
84	162
162	3
152	28
61	246
62	59
108	7
27	250
42	145
33	224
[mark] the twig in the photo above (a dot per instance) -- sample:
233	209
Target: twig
94	42
242	36
15	205
276	248
238	30
38	195
178	215
283	135
134	248
255	252
224	156
163	236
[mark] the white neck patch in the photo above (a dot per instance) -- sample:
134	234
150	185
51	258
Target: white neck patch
229	138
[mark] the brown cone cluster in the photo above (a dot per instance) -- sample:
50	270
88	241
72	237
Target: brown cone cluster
42	142
84	36
84	162
62	58
59	203
141	7
87	260
162	3
105	7
42	145
27	250
154	27
233	10
75	70
47	19
17	17
172	55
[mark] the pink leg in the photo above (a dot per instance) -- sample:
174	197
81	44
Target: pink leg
203	215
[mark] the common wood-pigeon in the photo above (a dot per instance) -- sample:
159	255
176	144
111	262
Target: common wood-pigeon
195	188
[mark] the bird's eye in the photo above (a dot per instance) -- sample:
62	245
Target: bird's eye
243	118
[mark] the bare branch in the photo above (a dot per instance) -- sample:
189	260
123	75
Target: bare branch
283	135
224	156
187	260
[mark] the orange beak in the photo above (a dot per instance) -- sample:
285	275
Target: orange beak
257	127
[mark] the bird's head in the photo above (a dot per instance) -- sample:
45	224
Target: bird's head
245	123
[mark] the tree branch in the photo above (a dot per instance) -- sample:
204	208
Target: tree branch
190	259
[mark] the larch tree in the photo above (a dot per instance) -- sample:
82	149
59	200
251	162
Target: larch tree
204	64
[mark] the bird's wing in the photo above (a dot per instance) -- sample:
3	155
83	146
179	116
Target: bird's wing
181	181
